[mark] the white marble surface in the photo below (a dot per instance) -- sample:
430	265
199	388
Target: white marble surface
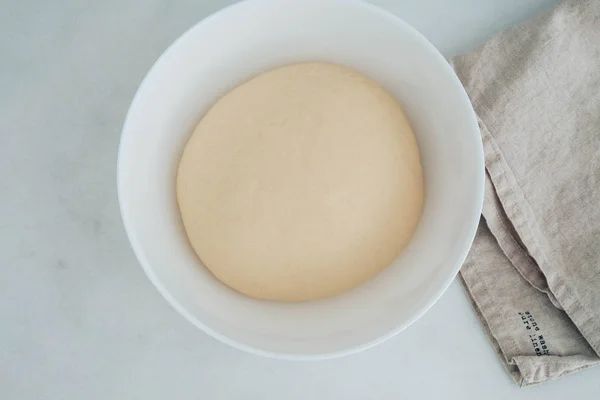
78	318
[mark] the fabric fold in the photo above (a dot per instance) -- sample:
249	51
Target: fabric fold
533	274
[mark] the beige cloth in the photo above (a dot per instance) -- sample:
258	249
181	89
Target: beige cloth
533	273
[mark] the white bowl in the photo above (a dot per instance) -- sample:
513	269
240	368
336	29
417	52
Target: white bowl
236	44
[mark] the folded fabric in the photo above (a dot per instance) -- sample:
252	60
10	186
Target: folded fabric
533	273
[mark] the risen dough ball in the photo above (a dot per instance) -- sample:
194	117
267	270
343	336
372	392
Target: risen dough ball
301	183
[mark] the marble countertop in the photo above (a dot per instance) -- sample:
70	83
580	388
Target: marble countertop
78	317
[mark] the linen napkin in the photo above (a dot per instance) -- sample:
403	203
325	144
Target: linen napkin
533	273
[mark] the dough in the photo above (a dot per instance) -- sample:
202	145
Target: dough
301	183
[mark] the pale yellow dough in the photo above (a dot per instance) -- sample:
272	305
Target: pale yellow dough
301	183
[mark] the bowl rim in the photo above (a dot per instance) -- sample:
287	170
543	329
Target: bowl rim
472	223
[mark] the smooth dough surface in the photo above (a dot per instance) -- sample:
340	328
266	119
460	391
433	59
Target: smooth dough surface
301	183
